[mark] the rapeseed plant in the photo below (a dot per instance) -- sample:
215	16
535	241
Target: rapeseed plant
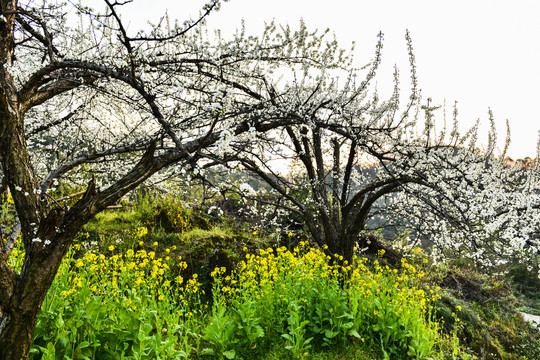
125	304
131	304
330	301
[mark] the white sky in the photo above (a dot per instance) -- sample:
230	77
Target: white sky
482	53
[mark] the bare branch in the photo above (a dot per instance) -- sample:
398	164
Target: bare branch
10	243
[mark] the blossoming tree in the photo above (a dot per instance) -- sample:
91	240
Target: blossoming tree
90	102
359	158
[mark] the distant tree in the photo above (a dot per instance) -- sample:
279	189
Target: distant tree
86	102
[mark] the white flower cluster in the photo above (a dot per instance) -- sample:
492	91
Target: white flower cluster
38	240
225	139
246	189
484	210
214	210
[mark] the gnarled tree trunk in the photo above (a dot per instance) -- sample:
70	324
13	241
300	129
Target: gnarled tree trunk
21	310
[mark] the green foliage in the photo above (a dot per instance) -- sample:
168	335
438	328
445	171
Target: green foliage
296	333
124	306
398	313
165	218
129	305
313	304
248	323
219	333
529	346
525	278
488	322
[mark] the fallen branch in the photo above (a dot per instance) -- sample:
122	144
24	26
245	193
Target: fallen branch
70	196
114	207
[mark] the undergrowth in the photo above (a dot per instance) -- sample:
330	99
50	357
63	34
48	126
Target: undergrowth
299	304
140	284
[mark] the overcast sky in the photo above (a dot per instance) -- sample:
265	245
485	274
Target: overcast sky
481	53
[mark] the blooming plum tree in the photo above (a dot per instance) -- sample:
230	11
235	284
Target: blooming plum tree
84	101
358	158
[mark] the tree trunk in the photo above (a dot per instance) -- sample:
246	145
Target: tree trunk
16	331
21	309
373	249
347	250
19	318
342	245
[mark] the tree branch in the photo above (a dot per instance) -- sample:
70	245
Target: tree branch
12	240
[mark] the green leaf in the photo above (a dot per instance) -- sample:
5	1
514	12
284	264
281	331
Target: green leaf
63	340
146	328
51	350
83	345
329	334
207	351
59	322
259	330
180	354
230	354
348	325
287	337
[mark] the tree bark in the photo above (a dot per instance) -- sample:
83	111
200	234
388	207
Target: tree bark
20	315
21	308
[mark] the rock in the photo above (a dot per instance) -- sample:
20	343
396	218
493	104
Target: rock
530	318
218	258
